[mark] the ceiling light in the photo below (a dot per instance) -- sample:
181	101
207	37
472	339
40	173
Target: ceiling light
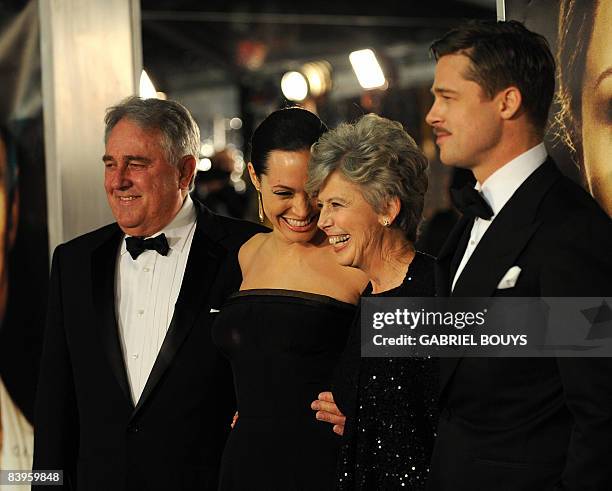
294	86
147	89
366	67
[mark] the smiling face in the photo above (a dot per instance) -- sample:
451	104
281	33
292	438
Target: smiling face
352	226
289	209
466	122
144	190
597	108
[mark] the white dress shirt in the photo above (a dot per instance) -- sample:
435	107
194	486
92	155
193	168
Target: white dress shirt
497	190
146	290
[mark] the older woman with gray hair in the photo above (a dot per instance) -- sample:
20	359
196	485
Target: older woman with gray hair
370	181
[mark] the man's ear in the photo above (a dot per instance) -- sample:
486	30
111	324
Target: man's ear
253	176
510	101
13	219
187	169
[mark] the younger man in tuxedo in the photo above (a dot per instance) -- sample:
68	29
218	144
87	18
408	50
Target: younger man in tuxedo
516	423
132	393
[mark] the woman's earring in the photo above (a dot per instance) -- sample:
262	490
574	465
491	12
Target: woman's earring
386	222
260	210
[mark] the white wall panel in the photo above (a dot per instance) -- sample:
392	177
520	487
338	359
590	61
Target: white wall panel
91	59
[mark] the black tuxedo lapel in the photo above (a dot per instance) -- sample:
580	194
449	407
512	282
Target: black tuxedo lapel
444	280
501	245
495	254
447	253
507	236
204	259
103	267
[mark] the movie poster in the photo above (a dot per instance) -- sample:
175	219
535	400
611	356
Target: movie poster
24	257
580	135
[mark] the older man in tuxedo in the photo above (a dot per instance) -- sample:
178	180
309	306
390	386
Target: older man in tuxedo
516	423
132	393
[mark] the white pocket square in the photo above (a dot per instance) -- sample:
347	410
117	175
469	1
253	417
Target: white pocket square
509	279
214	311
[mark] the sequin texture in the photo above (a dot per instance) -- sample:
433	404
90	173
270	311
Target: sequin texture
391	408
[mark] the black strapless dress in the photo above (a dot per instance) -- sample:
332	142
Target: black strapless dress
283	346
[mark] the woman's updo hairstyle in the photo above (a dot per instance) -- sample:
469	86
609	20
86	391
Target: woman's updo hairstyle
290	129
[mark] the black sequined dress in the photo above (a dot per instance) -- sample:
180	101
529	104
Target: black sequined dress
283	346
390	405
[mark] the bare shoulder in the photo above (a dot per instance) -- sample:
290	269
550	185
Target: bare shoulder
249	251
347	283
354	280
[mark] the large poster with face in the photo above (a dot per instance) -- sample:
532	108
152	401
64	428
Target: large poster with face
580	135
24	258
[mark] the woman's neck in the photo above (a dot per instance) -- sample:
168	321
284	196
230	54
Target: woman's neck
387	269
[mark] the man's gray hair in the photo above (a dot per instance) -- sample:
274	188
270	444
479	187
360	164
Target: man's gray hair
376	154
181	135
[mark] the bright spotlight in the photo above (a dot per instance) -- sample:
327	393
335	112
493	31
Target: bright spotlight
366	67
204	164
318	74
207	149
235	123
294	86
147	89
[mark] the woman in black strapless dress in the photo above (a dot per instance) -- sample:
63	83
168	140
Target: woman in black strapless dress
283	346
283	332
371	180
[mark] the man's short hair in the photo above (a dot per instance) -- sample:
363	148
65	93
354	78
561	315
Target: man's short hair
505	54
181	135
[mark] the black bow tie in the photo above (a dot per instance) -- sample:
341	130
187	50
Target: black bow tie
471	203
137	245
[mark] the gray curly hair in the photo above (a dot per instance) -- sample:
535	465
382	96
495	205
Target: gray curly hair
378	155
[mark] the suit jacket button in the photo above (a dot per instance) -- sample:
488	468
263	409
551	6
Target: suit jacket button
133	429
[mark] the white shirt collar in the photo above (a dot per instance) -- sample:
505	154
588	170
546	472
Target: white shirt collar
501	185
178	229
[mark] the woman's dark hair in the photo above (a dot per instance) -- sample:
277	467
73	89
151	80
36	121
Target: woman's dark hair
290	129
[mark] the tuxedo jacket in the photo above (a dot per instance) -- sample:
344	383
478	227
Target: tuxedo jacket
525	424
85	420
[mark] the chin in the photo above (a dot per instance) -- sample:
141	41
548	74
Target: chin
345	259
297	236
130	228
301	238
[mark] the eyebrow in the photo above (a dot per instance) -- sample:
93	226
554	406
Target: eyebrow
334	198
129	158
282	186
605	74
442	90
